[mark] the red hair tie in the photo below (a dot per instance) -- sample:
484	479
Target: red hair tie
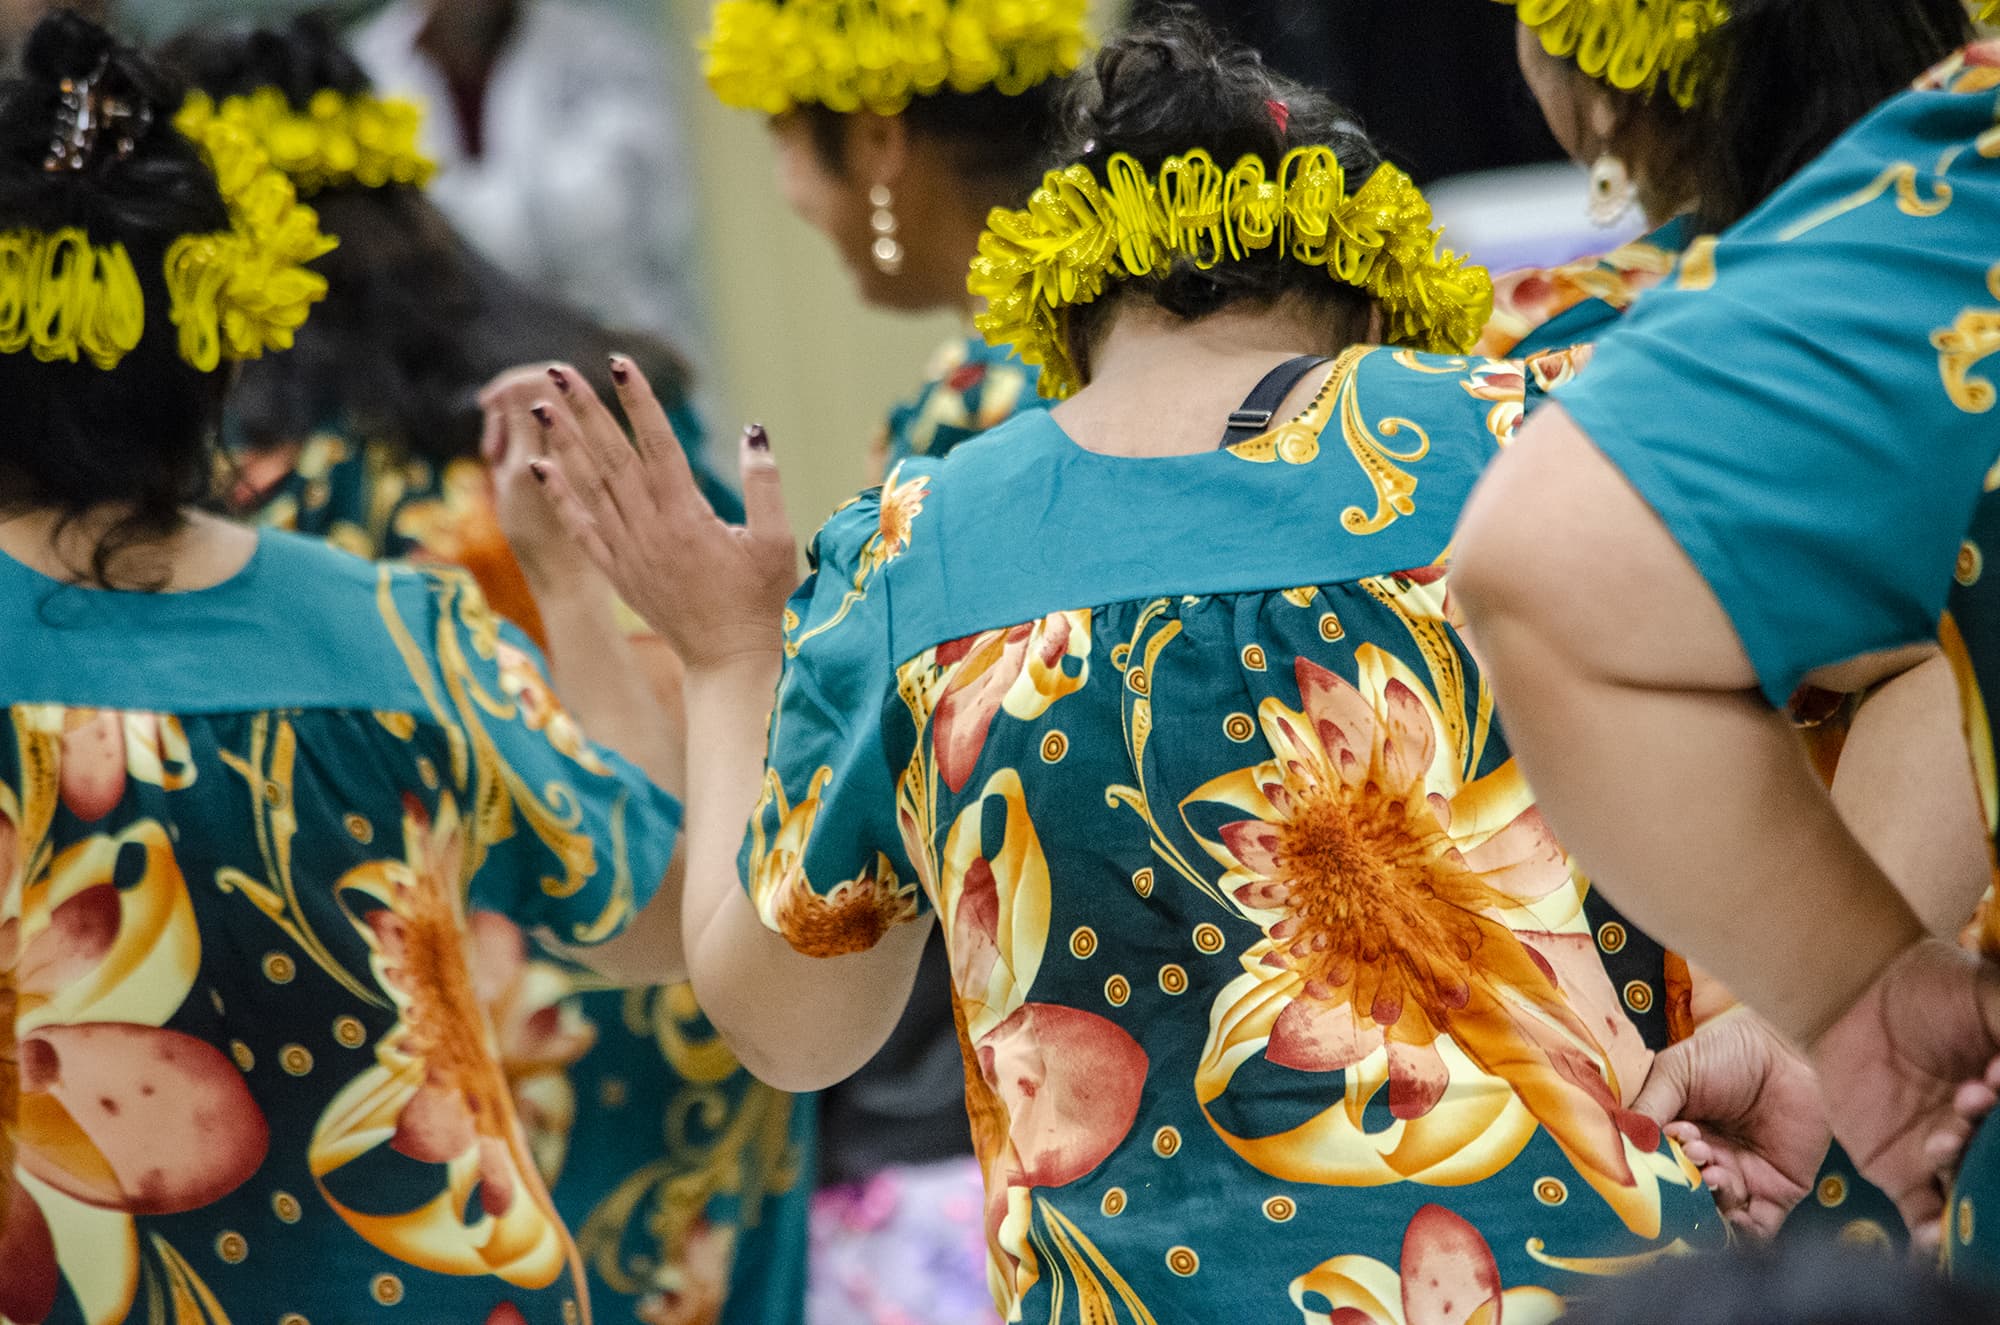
1281	115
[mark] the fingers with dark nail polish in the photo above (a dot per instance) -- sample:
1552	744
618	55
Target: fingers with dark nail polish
621	369
543	415
756	438
540	469
561	379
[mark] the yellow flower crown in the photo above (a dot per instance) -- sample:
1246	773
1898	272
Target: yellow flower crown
1634	45
233	294
1077	234
850	55
335	140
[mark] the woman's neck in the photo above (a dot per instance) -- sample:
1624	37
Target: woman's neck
200	554
1162	386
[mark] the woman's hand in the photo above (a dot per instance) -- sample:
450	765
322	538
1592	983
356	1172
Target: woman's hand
1894	1066
716	593
511	441
1747	1111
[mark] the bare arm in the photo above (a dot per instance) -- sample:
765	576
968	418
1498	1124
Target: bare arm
717	594
1907	750
604	680
1689	799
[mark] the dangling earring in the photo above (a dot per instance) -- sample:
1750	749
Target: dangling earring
1612	191
887	250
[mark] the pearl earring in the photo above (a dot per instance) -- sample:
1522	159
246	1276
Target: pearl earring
1612	191
887	250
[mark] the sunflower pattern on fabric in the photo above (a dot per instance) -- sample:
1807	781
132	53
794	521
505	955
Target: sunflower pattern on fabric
237	1025
1249	909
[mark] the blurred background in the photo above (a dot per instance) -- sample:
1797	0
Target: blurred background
765	311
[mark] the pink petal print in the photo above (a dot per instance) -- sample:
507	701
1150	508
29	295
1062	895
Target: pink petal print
435	1127
1310	1036
1343	719
169	1115
93	766
1523	860
965	712
1071	1082
1449	1273
499	955
80	932
1254	843
975	945
1573	961
506	1314
1417	1079
497	1184
29	1276
1411	741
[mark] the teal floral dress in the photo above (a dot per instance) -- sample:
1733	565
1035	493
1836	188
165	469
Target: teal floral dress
1539	313
1858	312
972	388
243	1072
1277	999
684	1180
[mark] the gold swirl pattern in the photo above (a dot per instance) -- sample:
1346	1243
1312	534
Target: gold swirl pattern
279	969
1962	346
1551	1191
1079	233
878	55
1054	746
233	1248
1239	727
1971	564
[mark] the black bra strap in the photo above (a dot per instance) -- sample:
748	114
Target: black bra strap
1261	406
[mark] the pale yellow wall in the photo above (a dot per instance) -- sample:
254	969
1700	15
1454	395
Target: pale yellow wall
790	345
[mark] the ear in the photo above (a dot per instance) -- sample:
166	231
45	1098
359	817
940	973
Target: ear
1603	116
878	149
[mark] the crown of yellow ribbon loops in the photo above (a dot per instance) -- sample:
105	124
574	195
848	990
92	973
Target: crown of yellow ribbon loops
239	292
233	294
336	140
875	55
1078	234
1634	45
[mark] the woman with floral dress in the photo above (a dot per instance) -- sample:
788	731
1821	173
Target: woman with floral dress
684	1179
1661	137
1276	998
250	788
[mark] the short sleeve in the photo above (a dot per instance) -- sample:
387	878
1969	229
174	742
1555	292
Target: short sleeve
1802	405
567	835
824	860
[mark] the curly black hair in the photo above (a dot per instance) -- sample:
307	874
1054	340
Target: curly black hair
136	437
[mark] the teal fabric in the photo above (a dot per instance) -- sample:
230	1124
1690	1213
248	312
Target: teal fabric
684	1180
1796	437
1241	884
1586	322
973	388
240	830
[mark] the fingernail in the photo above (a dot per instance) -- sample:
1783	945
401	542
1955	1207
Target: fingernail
621	369
540	469
561	379
757	439
544	416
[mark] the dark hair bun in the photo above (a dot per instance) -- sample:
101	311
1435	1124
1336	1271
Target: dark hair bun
300	59
1175	84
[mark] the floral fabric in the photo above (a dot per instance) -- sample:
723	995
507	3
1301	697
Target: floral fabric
243	1074
683	1179
972	387
1277	999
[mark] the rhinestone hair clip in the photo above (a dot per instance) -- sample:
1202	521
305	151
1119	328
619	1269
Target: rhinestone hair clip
85	115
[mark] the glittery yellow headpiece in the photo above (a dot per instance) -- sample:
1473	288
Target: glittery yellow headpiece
1634	45
851	55
233	294
1077	234
336	140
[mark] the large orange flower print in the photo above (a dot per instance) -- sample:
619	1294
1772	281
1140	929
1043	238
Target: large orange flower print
1422	933
436	1094
1448	1277
104	1114
1052	1090
852	917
